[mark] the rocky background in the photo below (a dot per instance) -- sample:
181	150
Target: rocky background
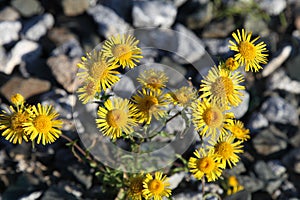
41	42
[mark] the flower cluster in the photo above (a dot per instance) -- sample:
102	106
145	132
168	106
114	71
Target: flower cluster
209	108
220	90
29	122
149	187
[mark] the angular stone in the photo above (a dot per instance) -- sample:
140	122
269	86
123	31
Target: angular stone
269	141
240	110
278	110
293	69
279	80
9	32
23	51
153	14
257	121
27	8
75	7
9	14
109	23
64	70
26	87
271	7
70	48
292	160
38	26
190	48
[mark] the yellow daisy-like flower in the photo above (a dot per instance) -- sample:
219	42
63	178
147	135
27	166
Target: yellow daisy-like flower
122	49
222	86
135	186
239	131
205	164
208	118
227	149
156	187
231	64
43	125
88	91
150	103
12	124
17	99
234	185
118	115
184	96
96	67
153	79
248	53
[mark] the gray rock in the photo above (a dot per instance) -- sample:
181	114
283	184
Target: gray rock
3	58
277	61
157	38
219	29
109	23
278	110
179	3
292	69
61	35
153	14
240	110
61	100
279	80
271	7
33	196
241	195
27	8
276	167
292	160
190	47
64	70
269	141
263	171
176	179
57	193
9	14
190	196
254	23
295	138
125	87
201	17
251	183
24	51
176	125
75	7
70	48
216	46
257	121
9	32
26	87
38	26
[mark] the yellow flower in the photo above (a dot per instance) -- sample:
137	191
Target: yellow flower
118	115
231	64
222	86
234	185
153	79
184	96
248	53
43	125
88	91
150	103
156	187
238	131
205	164
12	124
122	49
135	190
227	149
96	67
17	99
208	118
